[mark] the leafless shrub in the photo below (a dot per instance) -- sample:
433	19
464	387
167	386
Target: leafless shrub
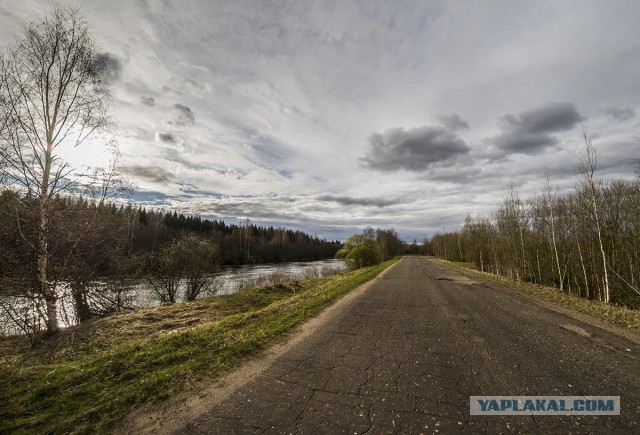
311	272
106	298
328	270
274	278
23	315
247	284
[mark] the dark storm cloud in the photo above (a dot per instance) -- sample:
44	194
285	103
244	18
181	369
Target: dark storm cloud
452	121
531	131
109	66
154	174
620	114
184	114
169	138
366	202
148	101
413	150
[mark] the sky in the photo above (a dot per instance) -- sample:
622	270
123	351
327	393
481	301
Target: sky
331	116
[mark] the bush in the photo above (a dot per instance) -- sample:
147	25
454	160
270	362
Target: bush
361	256
189	260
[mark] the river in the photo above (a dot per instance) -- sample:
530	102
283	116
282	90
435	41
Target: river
139	294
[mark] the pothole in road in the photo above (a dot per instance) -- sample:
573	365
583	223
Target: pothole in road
461	280
578	330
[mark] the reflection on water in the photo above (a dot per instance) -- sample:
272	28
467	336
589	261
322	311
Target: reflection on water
235	278
135	295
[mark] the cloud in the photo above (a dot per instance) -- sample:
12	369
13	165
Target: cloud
154	174
168	138
452	121
413	150
296	86
458	174
253	207
184	115
366	202
620	114
156	199
110	66
179	85
301	209
148	101
531	131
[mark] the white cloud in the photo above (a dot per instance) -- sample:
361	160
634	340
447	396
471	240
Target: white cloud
282	97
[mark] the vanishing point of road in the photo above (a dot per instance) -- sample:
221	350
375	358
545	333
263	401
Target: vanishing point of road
405	355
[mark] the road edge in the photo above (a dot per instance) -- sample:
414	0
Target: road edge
170	415
628	333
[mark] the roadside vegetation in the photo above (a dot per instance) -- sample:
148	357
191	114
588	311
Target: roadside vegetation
583	242
373	247
618	315
86	378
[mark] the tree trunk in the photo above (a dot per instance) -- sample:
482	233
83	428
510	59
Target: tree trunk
45	290
524	258
607	295
555	250
574	223
588	169
83	312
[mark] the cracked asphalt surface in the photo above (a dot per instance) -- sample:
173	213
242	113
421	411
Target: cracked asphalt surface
406	354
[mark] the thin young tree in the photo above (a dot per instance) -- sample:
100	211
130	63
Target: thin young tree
512	223
549	197
53	93
587	173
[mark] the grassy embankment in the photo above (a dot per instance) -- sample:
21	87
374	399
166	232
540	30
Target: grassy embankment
89	377
618	315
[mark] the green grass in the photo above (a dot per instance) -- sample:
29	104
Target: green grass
621	316
88	378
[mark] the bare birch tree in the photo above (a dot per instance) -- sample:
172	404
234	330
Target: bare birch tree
587	170
53	93
549	200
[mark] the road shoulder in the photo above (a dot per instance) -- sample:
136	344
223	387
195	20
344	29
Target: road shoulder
171	414
630	334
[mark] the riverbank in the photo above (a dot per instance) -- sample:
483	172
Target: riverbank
126	294
89	377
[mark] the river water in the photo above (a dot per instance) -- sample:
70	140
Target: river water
232	279
235	278
139	294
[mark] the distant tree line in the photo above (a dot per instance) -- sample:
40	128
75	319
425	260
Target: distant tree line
89	241
374	247
114	234
584	242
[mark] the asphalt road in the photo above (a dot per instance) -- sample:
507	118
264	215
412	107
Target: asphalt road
406	354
